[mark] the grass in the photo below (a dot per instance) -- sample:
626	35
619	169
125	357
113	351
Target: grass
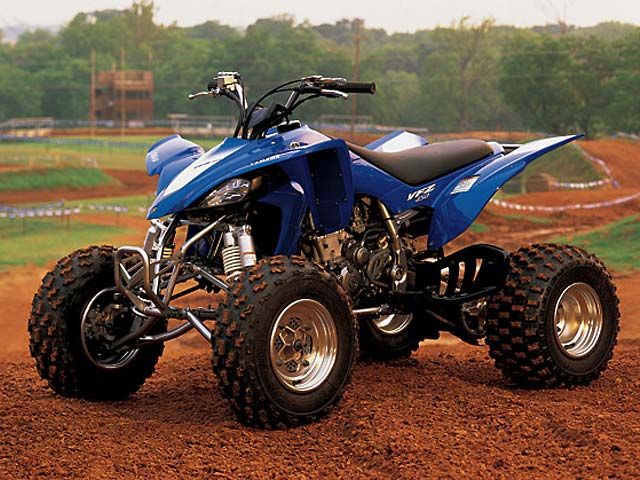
50	178
566	164
479	227
109	152
44	155
133	203
45	240
142	141
617	243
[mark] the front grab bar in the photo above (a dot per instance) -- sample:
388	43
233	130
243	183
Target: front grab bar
121	272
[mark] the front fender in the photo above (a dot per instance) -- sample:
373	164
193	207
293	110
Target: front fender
168	150
231	158
453	213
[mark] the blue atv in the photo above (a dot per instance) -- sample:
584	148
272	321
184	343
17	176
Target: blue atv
322	251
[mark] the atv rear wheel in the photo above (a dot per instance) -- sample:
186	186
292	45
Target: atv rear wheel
68	330
284	344
556	321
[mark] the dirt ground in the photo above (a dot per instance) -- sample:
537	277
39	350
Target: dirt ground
444	413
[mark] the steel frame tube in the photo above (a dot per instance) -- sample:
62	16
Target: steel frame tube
198	325
170	335
372	311
209	277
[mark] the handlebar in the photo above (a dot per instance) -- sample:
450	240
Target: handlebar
231	85
353	87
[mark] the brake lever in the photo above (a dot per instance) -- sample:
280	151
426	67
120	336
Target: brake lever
213	92
333	93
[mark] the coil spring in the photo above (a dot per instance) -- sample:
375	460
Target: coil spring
231	259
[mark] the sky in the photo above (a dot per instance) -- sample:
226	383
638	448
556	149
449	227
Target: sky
393	15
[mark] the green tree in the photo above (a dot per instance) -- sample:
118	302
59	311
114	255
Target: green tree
560	84
19	96
466	76
395	100
212	30
623	112
458	76
590	70
65	88
535	83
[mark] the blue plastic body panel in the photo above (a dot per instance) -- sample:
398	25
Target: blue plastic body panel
324	178
452	213
171	155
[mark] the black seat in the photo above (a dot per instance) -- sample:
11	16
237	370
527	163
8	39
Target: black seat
418	165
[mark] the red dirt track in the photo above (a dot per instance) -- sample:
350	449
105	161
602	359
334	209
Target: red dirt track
444	413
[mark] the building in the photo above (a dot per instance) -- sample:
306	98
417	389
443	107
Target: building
131	89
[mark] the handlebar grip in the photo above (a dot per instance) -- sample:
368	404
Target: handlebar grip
357	87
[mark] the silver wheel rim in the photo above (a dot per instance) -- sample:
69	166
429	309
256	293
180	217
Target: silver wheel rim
392	324
303	345
112	362
578	320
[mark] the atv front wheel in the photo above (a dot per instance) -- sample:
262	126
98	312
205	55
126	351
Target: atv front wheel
75	314
284	343
556	321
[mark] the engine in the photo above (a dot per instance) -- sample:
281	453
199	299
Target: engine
360	256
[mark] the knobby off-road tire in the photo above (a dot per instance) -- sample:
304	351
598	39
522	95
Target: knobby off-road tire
243	342
380	345
522	334
54	329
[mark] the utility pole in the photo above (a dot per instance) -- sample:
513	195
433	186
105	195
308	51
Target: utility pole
357	36
123	77
92	96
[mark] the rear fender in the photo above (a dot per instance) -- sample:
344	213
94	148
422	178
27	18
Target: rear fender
453	213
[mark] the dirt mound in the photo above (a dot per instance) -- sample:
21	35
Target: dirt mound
621	156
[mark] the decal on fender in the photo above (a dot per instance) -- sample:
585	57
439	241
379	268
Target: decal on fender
421	194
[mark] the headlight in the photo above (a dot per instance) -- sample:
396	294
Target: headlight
231	191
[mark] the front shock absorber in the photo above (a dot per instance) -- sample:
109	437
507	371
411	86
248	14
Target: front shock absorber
239	251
